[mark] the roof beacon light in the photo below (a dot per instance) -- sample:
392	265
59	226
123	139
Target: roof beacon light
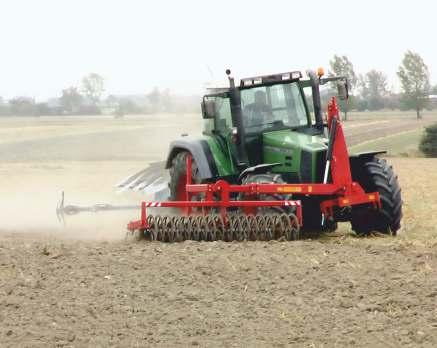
320	72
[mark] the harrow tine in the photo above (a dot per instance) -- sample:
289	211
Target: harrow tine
239	227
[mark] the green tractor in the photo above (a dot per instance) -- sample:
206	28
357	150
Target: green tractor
267	166
266	131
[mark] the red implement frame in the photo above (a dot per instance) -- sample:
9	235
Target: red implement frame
346	192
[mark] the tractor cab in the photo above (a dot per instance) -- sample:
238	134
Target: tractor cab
267	119
271	108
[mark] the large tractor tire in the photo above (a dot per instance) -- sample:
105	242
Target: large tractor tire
178	176
375	175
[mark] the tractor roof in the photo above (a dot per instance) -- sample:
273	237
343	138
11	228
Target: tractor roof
257	81
270	79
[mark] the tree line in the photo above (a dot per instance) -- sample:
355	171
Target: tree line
370	91
87	99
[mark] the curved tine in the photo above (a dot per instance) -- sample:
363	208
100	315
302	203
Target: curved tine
287	226
250	227
206	228
231	231
295	227
179	229
170	227
261	227
184	226
253	228
280	227
229	236
209	227
203	228
166	229
194	229
162	229
245	226
266	221
212	228
188	227
269	227
199	231
153	229
157	227
220	224
225	226
238	230
174	228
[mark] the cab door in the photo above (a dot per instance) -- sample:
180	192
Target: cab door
222	143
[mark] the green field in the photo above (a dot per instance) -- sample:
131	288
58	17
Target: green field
402	144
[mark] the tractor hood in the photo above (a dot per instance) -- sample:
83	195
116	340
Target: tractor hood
301	155
287	139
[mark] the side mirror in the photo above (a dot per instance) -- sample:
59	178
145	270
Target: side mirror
342	90
208	109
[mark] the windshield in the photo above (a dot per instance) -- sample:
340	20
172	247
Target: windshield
278	107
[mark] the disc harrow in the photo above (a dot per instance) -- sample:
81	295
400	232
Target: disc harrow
213	227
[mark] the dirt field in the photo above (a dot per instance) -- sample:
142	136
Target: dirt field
83	285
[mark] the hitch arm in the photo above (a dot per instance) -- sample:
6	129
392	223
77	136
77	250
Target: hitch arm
63	210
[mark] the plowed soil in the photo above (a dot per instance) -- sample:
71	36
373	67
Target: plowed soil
306	293
84	285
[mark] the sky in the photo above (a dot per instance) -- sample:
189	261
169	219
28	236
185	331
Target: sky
49	45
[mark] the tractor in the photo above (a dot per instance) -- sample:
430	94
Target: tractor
269	165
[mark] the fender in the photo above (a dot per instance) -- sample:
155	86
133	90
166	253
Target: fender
357	159
201	153
259	169
362	155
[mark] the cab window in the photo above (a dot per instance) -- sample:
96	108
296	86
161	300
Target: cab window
223	120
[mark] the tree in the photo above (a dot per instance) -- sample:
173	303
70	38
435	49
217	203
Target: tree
22	106
154	98
428	143
414	77
71	100
4	108
373	89
42	109
166	100
342	66
93	87
127	106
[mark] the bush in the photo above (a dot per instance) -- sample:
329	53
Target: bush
428	143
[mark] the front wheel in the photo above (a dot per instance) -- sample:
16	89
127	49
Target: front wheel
375	175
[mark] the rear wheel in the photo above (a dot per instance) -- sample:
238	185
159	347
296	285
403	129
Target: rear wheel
375	175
